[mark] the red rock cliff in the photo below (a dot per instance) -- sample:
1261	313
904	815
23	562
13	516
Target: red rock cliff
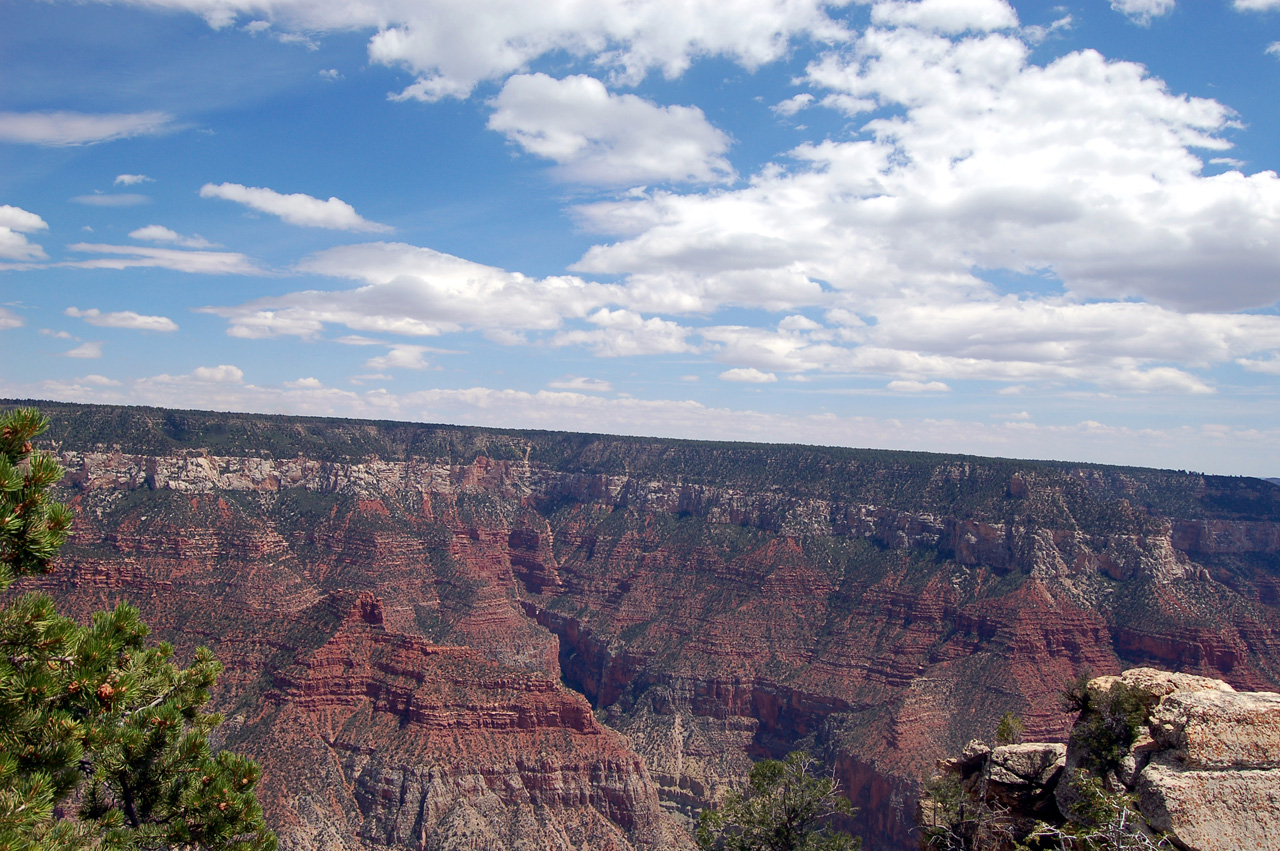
881	612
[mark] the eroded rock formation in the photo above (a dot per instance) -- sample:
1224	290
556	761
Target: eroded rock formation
1199	771
714	603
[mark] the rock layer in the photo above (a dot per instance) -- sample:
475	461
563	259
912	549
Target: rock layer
715	602
437	746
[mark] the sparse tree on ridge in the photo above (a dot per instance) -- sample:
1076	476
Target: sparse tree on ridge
103	740
783	807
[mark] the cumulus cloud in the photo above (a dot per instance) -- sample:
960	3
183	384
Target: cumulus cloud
625	333
15	222
1256	5
1106	345
401	356
132	179
905	385
949	16
1038	33
416	291
84	350
9	319
95	380
296	209
135	256
1083	169
1274	48
451	45
748	375
123	319
78	128
599	137
1142	11
221	374
793	104
1271	366
581	384
159	233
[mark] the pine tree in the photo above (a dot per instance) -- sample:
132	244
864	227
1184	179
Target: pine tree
103	740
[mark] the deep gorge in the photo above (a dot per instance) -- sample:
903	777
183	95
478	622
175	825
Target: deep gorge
406	611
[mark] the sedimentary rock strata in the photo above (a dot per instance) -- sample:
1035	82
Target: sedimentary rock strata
714	603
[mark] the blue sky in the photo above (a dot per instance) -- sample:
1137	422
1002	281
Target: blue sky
956	225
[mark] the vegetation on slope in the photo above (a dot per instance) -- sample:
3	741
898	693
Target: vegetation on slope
91	717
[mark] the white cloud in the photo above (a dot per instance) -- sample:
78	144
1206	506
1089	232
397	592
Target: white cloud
748	375
625	333
132	179
603	138
9	319
1274	48
946	16
159	233
57	335
793	104
1083	169
330	74
95	380
296	209
85	350
416	291
119	199
14	223
1256	5
581	384
451	45
400	356
78	128
134	256
910	386
305	384
1269	367
1142	11
1037	34
16	218
359	380
1064	345
221	374
123	319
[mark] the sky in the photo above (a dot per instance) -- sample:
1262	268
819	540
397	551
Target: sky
1011	229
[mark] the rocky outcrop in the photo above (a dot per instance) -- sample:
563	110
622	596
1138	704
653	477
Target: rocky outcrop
437	746
1164	759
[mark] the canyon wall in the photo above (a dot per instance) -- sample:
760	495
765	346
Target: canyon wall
406	612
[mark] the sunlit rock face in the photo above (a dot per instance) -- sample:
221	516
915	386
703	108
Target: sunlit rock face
1202	772
714	603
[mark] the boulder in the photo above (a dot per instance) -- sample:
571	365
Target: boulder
1156	683
1212	810
1034	764
1217	729
1022	777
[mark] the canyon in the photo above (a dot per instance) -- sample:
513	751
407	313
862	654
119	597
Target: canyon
449	638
